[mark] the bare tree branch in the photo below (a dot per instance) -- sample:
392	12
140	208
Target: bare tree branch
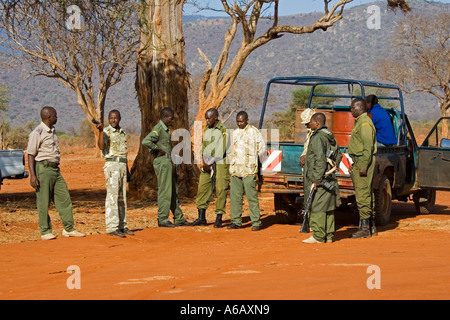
89	57
421	62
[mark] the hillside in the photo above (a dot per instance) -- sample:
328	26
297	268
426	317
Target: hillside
347	50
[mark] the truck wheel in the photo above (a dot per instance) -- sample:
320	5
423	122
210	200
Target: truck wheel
383	201
285	208
424	201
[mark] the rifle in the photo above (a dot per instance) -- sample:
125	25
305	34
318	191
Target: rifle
307	209
176	161
213	179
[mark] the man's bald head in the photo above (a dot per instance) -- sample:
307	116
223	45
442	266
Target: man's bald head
358	107
320	118
49	116
212	112
212	117
46	112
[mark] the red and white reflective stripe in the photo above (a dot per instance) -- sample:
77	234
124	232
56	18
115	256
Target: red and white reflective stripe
273	162
345	164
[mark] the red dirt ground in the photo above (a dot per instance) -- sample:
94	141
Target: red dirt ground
204	263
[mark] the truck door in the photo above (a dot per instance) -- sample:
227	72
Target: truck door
433	160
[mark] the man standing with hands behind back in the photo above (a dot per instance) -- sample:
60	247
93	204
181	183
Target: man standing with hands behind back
214	161
45	176
362	148
158	141
113	142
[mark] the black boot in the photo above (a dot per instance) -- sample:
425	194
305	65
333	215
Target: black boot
363	230
373	228
201	221
218	223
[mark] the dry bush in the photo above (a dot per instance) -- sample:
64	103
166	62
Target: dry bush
81	145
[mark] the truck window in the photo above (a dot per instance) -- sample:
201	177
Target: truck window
439	137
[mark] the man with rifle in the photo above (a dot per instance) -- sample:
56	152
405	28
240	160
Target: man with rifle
321	160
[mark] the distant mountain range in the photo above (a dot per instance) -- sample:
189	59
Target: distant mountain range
347	50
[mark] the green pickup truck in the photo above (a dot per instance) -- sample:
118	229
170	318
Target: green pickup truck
405	171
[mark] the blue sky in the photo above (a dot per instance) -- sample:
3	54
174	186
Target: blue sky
288	7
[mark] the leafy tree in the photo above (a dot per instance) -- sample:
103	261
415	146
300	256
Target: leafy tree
4	98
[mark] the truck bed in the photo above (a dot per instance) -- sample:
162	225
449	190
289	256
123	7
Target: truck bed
288	177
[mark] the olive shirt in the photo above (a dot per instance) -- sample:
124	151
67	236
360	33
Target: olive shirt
214	144
214	147
363	144
159	138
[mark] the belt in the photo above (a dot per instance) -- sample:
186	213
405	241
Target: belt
49	163
116	159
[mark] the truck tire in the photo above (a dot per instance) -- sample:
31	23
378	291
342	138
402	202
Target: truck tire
383	201
285	209
424	201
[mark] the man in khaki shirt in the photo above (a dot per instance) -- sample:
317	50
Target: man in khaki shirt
45	176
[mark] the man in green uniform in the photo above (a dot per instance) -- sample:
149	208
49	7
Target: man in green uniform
158	141
362	148
112	140
45	176
319	171
214	165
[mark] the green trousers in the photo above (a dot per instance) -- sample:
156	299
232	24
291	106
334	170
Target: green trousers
167	191
322	224
237	188
205	189
116	196
365	198
52	187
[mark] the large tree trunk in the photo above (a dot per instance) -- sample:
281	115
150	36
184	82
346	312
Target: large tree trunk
161	81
